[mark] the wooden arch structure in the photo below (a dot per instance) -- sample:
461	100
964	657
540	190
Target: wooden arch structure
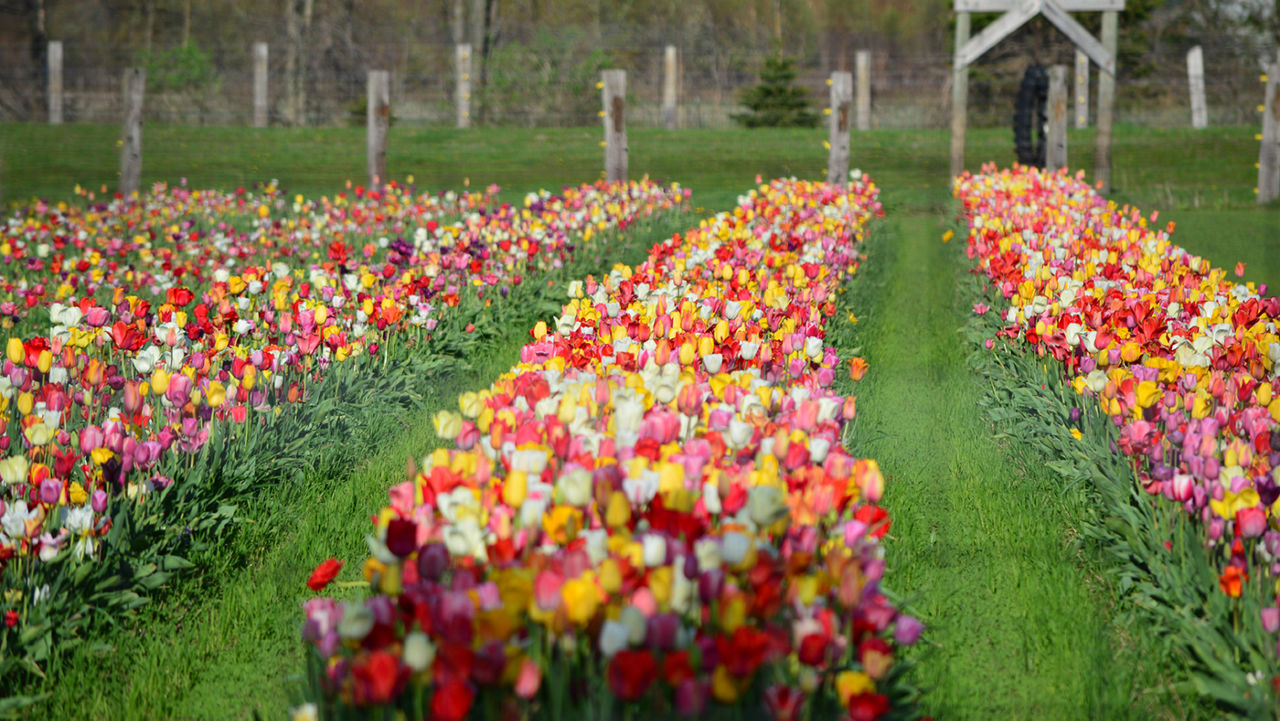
1016	13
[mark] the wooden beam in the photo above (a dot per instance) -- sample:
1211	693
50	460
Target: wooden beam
614	87
462	83
1269	151
54	87
378	118
862	65
1106	103
260	56
135	83
1004	6
1195	85
1103	58
995	32
1056	141
959	95
838	127
1082	90
670	111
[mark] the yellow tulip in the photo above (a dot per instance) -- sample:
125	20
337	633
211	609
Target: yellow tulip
727	688
852	683
610	576
160	381
581	599
448	425
1148	393
687	354
45	361
215	394
38	434
471	404
15	351
515	489
618	511
25	403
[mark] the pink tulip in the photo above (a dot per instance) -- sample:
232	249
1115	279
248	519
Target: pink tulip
528	680
1252	521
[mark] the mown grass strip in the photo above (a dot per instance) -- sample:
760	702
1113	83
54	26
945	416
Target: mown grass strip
225	644
985	543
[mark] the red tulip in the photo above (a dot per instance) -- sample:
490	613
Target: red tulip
452	701
377	678
868	706
813	649
631	673
324	574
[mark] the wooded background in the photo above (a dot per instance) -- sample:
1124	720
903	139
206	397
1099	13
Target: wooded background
536	62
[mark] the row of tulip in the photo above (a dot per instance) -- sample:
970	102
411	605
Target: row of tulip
177	236
652	510
1183	363
1182	359
119	397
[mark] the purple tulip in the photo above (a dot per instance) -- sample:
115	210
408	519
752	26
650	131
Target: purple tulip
433	560
50	491
691	697
661	630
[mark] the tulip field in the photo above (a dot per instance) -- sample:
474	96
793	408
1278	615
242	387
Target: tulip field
746	446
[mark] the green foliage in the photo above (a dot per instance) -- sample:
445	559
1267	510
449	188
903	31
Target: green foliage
776	102
182	69
1213	657
548	81
358	113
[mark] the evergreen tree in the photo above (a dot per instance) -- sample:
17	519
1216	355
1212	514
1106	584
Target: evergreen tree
775	102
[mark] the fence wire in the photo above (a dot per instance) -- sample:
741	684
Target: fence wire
557	88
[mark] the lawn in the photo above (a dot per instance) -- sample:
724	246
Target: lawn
1202	179
1023	621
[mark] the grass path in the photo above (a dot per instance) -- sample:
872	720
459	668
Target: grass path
983	541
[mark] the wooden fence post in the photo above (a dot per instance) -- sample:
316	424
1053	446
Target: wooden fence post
1195	84
135	82
670	110
959	95
1056	143
379	120
1269	152
54	88
462	71
838	139
862	65
1106	103
614	86
260	55
1082	90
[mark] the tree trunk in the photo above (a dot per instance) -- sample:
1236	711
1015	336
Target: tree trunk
149	8
186	23
39	54
298	30
478	15
458	20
